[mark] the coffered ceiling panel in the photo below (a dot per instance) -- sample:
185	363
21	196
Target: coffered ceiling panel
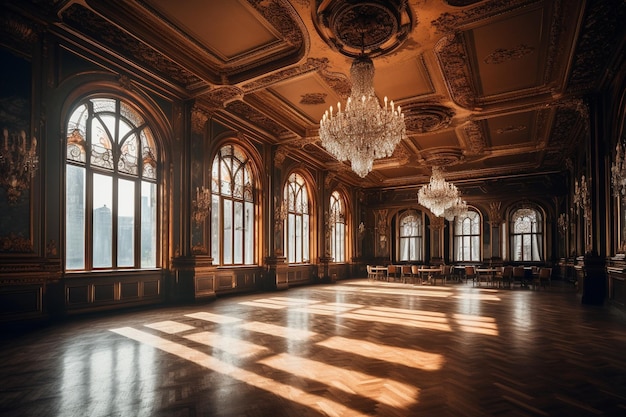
488	88
509	51
208	21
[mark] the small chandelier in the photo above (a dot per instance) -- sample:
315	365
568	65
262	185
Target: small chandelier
618	172
18	164
439	196
363	131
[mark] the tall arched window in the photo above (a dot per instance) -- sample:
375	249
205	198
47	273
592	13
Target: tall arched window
467	237
337	225
526	235
111	188
411	236
297	223
232	211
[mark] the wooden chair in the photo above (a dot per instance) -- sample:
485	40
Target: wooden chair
519	274
498	276
470	273
415	273
371	275
542	278
393	271
445	274
507	276
405	273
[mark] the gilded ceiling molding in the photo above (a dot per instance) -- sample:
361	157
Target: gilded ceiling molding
374	27
423	118
258	119
313	98
461	3
455	67
442	157
475	136
18	33
282	16
568	115
601	32
310	65
222	96
502	55
199	117
448	23
511	129
102	31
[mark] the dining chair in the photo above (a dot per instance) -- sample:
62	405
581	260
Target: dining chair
415	273
498	276
470	273
542	278
405	273
393	272
507	276
519	274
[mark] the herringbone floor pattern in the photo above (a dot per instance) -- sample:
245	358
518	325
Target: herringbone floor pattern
349	349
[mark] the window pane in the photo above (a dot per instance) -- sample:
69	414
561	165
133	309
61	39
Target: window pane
215	229
148	225
305	238
228	232
238	233
125	223
101	145
75	218
249	234
102	221
291	240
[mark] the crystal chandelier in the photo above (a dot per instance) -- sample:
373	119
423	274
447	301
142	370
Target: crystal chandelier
363	131
439	196
618	172
582	200
18	164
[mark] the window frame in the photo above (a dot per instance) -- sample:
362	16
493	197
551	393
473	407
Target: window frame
535	236
239	194
473	238
298	220
417	239
337	227
109	137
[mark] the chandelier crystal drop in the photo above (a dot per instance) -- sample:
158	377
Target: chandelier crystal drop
363	131
439	196
459	208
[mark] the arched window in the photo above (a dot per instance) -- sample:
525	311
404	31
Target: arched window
526	235
337	225
233	207
111	188
411	237
297	223
467	237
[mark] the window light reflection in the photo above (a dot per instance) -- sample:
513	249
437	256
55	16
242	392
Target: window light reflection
412	358
288	392
383	390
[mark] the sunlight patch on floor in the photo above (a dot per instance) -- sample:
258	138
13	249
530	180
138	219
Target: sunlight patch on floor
413	358
168	326
279	331
215	318
231	345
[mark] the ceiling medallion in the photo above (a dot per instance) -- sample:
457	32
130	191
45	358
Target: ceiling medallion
375	27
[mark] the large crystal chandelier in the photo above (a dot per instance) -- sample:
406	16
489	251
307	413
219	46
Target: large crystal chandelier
441	197
363	131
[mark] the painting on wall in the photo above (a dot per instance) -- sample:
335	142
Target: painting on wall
17	150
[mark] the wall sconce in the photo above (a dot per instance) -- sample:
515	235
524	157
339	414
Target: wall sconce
618	172
18	164
581	196
201	205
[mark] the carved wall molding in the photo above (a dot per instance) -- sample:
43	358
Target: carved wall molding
199	117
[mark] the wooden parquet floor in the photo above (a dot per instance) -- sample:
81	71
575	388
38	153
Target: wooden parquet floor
354	348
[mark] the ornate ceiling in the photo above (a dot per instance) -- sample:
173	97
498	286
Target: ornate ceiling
490	89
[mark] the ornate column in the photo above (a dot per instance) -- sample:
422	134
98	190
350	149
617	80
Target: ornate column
436	227
495	221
